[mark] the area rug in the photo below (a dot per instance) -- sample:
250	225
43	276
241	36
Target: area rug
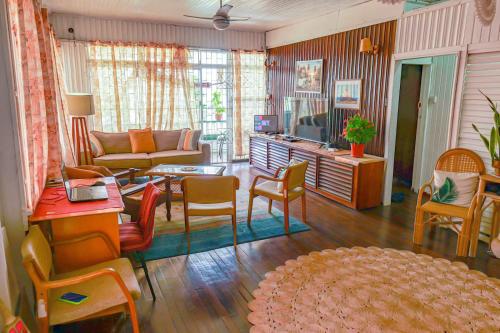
375	290
213	232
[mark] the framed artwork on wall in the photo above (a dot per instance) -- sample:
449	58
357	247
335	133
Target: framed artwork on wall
348	94
309	76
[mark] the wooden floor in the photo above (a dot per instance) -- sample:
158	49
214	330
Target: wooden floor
209	292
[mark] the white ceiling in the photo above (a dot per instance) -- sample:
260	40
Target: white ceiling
265	15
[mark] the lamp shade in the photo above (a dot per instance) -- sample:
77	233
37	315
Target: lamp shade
80	104
366	45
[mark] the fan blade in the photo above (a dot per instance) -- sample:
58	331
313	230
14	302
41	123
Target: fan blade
224	10
199	17
235	19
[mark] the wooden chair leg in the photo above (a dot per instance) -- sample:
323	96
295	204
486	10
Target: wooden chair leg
418	227
270	207
235	236
186	227
464	238
133	317
250	207
286	216
304	212
146	272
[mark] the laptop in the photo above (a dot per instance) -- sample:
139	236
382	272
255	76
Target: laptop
83	193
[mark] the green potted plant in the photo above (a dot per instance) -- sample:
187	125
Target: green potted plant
358	131
493	143
217	105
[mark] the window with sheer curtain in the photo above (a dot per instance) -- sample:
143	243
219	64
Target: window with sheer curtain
172	87
249	97
137	86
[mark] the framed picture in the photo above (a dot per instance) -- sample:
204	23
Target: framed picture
309	76
348	94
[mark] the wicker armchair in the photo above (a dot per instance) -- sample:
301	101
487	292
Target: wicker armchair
453	160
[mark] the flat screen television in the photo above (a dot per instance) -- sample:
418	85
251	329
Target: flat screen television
265	123
307	118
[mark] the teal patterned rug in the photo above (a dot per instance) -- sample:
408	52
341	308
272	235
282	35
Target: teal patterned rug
171	245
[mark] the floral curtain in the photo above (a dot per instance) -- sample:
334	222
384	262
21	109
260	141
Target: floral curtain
249	88
141	85
40	101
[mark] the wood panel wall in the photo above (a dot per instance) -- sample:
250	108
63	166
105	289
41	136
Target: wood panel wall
342	60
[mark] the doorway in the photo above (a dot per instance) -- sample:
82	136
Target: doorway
419	121
406	133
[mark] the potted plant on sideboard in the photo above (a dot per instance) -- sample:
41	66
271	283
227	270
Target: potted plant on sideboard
493	143
358	131
217	105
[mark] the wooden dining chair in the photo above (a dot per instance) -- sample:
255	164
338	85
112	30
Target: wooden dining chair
110	286
293	187
136	236
210	196
453	160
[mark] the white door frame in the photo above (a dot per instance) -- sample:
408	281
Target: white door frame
393	104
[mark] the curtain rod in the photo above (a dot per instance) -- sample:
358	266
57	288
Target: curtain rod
189	47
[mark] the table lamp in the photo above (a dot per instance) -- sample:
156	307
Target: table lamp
80	106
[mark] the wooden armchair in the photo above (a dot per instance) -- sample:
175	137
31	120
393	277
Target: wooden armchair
210	196
111	286
453	160
293	187
131	193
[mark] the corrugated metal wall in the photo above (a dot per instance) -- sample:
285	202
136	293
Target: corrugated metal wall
342	60
92	28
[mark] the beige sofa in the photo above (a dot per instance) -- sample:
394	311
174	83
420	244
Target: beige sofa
118	151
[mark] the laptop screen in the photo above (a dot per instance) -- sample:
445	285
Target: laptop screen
66	180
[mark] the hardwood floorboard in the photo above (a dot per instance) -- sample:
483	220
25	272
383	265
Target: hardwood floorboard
209	292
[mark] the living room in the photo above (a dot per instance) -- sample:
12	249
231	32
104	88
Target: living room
265	166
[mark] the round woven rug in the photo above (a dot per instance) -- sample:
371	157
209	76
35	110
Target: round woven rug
375	290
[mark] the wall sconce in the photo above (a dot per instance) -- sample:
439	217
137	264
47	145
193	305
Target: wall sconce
270	64
367	47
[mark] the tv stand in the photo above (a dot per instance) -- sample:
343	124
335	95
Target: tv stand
350	181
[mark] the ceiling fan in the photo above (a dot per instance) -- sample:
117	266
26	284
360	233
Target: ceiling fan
221	20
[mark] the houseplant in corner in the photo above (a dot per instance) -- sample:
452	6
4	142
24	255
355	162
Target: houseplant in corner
217	105
493	143
358	131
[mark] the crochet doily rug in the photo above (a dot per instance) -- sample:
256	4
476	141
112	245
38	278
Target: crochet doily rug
375	290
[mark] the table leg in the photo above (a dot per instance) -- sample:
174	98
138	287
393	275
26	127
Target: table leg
168	204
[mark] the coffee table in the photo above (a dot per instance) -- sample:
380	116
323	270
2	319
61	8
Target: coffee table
177	172
186	170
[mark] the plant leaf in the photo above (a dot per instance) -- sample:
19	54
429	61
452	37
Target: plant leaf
447	193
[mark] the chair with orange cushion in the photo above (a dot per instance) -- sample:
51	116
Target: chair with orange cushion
137	236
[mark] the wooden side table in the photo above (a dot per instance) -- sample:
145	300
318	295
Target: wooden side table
482	195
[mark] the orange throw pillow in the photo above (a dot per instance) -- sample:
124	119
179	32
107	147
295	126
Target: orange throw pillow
142	141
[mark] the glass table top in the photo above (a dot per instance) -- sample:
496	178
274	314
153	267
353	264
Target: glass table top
185	170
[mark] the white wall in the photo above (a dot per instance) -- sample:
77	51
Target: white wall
12	216
91	28
368	13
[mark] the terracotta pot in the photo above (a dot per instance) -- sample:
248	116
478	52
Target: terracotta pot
496	166
218	116
357	149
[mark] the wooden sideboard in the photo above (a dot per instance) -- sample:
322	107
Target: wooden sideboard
353	182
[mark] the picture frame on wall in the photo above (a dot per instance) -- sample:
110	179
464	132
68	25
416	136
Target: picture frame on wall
309	76
348	94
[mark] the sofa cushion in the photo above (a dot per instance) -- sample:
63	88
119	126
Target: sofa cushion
114	143
142	141
96	146
177	157
124	161
166	140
